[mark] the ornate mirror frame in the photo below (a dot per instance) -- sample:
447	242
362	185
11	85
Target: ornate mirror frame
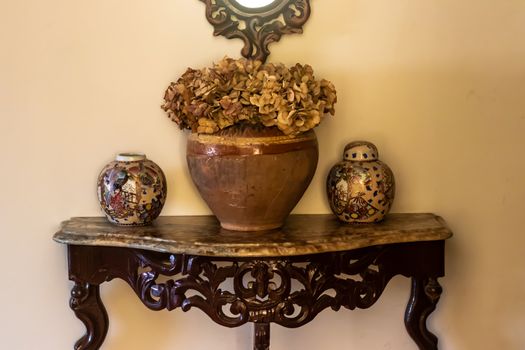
257	27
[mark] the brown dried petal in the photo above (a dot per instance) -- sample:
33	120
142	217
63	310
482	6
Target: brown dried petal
234	90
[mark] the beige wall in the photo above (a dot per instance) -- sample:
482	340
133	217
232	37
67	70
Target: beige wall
438	85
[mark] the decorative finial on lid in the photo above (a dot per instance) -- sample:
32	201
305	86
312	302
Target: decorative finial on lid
360	151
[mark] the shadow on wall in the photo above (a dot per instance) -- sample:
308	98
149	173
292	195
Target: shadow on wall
131	325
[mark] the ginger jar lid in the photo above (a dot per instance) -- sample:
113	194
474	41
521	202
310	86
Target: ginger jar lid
130	157
360	151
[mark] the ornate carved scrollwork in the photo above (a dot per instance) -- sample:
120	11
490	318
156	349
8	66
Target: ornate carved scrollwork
258	27
289	291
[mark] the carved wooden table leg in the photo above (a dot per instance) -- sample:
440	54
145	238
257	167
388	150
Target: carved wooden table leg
423	299
87	270
87	305
261	336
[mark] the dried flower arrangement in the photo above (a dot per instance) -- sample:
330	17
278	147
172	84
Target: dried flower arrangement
235	91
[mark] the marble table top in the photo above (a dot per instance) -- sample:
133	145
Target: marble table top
301	235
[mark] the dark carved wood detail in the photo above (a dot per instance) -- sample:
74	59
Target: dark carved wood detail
262	288
85	302
288	290
261	336
257	28
423	299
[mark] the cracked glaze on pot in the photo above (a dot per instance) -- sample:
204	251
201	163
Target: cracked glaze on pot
252	178
361	188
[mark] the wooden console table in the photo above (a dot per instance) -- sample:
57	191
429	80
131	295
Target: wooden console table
333	264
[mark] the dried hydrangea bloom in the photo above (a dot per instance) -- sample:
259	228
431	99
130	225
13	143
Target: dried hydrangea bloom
240	90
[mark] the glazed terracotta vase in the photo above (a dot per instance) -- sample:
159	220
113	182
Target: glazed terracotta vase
132	190
252	177
361	188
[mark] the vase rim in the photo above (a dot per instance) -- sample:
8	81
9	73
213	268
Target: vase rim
130	157
251	140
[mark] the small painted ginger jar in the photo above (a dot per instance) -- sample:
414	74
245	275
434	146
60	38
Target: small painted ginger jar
132	190
360	188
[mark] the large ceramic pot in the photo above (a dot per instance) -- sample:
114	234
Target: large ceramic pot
252	178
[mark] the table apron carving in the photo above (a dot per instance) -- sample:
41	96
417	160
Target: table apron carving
290	291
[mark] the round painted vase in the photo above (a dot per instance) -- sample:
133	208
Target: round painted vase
361	188
252	177
132	190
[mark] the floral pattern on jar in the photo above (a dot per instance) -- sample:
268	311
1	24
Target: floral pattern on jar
132	190
360	188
